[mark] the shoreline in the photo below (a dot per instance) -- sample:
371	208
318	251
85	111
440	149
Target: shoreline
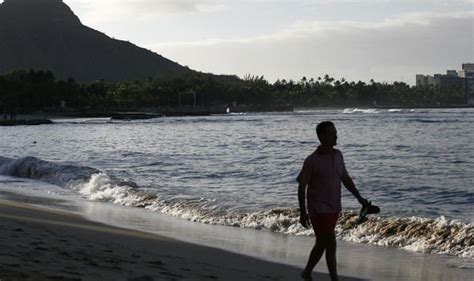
51	245
45	118
383	107
266	251
25	122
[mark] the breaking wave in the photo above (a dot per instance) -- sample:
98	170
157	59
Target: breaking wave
360	111
54	173
376	110
436	236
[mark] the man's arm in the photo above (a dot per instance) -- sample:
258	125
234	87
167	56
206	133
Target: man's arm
304	219
349	184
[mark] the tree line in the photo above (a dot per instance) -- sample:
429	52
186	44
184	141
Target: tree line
29	91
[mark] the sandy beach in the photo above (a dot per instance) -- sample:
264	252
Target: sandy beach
43	244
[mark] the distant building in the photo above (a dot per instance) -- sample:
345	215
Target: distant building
468	67
453	73
424	80
449	82
441	81
453	80
467	73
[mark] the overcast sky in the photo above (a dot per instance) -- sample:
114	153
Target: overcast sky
386	40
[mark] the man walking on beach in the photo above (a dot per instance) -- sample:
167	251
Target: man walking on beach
322	174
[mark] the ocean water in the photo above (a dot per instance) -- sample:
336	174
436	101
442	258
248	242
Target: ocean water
239	170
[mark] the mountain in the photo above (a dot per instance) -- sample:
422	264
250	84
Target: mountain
47	35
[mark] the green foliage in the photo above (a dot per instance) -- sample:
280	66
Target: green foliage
27	91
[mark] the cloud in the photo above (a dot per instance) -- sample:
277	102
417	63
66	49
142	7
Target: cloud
114	10
393	49
303	29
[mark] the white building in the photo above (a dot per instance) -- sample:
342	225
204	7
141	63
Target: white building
425	80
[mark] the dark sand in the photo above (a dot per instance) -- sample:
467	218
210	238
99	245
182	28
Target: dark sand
41	244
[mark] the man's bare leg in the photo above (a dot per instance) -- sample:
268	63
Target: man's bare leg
322	241
331	257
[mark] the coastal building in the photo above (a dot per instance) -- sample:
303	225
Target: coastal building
452	73
467	73
467	69
424	80
449	81
453	80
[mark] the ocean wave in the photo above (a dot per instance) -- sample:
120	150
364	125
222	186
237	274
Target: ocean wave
85	180
89	121
436	236
54	173
400	110
376	110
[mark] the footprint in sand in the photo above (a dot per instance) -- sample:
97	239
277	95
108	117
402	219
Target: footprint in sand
71	272
209	276
170	274
66	254
60	277
142	278
156	263
92	263
266	277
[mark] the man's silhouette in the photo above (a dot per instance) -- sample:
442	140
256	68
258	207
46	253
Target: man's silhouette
320	186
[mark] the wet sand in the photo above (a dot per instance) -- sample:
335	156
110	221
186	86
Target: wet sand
44	244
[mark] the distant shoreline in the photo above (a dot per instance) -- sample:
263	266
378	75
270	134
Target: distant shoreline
25	122
46	118
382	107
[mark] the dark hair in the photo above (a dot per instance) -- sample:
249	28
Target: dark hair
323	127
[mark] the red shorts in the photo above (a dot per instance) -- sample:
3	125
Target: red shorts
324	223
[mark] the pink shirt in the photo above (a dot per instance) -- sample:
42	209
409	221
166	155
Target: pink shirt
323	173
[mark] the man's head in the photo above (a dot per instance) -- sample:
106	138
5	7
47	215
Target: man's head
327	133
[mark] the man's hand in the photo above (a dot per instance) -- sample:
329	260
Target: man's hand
349	184
304	220
363	201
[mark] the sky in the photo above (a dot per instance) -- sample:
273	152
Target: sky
384	40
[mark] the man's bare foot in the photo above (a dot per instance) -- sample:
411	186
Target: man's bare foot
306	276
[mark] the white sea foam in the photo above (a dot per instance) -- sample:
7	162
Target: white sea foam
101	187
437	236
360	111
